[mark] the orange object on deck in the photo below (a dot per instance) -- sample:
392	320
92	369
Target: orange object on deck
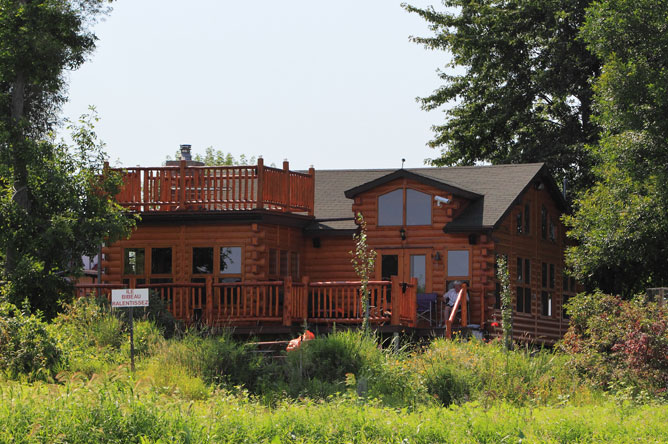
296	343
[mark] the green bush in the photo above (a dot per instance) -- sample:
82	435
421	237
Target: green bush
26	346
219	360
320	367
618	343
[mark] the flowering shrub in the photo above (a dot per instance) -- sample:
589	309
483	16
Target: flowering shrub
616	343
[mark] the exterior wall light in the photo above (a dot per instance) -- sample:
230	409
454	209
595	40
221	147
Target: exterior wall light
402	233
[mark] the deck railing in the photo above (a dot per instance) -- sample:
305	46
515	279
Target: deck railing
278	302
462	301
221	188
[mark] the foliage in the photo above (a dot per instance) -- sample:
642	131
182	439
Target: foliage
125	410
363	260
620	224
619	344
89	335
213	157
320	367
26	346
216	360
503	275
55	205
517	88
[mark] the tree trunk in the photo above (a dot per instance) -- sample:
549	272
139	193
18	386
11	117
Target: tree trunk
21	197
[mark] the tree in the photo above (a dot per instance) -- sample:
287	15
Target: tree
518	86
363	260
621	224
54	202
214	157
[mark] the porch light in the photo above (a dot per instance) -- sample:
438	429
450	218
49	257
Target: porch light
402	233
437	256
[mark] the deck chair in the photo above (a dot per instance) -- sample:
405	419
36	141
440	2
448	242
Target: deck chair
426	306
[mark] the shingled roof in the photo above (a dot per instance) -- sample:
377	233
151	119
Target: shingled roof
493	189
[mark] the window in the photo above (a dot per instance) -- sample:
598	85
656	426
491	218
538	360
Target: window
523	297
419	270
547	282
527	219
294	265
458	262
497	296
543	222
418	208
553	231
546	303
273	262
284	263
230	260
202	260
520	225
161	261
523	294
133	261
391	208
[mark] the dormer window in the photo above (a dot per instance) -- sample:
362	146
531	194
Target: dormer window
391	208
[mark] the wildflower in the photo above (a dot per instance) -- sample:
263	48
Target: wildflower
494	324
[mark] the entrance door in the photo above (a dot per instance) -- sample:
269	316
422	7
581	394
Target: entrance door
406	264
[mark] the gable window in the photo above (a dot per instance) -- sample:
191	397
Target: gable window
391	208
520	225
543	222
527	219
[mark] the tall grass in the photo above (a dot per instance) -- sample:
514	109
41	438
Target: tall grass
126	410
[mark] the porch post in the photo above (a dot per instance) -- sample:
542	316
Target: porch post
311	203
465	304
260	183
304	302
287	301
182	184
413	300
209	301
286	185
395	291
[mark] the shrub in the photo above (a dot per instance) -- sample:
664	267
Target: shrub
320	367
619	343
26	346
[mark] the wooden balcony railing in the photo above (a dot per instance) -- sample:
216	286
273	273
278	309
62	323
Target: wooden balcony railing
278	302
462	301
222	188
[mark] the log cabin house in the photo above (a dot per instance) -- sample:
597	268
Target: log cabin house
266	248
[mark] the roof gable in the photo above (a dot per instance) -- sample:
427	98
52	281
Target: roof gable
494	189
401	174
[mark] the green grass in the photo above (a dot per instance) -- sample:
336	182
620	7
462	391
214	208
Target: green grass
120	408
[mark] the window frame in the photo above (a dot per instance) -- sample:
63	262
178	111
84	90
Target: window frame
404	207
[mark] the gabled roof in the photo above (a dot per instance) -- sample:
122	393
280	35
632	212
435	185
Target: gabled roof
492	189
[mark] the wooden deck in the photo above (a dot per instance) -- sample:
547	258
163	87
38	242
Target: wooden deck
222	188
284	303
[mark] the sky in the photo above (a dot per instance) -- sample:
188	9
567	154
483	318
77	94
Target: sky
328	84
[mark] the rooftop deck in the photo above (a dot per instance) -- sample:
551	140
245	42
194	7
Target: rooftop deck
220	188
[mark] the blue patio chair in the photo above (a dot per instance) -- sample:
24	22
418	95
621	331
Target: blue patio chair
426	306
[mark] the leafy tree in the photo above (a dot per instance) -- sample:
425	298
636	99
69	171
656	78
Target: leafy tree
363	260
54	203
621	224
518	86
214	157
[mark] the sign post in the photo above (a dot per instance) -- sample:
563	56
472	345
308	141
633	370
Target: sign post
130	298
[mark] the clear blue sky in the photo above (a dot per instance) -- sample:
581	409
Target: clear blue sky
329	84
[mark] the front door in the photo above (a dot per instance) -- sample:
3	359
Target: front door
406	264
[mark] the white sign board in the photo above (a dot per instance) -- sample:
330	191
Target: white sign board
129	297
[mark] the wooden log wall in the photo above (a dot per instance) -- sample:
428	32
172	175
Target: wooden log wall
182	237
330	260
430	239
533	325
